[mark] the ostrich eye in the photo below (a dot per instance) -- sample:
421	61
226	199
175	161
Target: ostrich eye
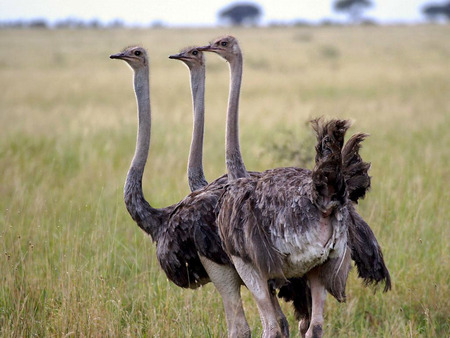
194	52
137	53
224	43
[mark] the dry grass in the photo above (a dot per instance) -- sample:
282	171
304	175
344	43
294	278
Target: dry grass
74	263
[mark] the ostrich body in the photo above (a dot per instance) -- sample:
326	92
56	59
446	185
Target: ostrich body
286	223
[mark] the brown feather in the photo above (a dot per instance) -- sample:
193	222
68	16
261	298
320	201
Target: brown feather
355	169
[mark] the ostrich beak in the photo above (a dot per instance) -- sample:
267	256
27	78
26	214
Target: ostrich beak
207	48
119	56
176	56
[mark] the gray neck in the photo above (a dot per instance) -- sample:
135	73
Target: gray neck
196	176
140	210
142	90
235	163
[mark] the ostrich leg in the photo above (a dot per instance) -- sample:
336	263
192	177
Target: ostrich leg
228	283
268	306
318	294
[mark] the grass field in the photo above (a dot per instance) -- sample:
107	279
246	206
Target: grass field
73	263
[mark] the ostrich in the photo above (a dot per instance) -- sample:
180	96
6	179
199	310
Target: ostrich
364	247
188	246
288	222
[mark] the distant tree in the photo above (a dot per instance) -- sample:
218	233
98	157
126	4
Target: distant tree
38	23
157	24
241	13
116	23
353	8
15	24
435	11
94	23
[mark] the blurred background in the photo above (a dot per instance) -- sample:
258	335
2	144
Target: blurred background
207	13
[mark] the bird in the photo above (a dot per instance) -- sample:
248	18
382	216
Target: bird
368	258
188	247
288	222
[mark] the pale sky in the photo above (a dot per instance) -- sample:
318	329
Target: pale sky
198	12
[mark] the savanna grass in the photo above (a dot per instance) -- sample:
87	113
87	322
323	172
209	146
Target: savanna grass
74	263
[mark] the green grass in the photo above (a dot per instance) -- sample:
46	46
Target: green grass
74	263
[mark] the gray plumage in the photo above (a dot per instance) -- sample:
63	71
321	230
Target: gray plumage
257	216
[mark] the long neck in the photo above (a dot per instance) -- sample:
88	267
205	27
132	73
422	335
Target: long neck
140	210
142	91
235	163
196	176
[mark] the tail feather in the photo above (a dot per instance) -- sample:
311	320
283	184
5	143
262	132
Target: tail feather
328	177
366	253
365	250
329	133
356	171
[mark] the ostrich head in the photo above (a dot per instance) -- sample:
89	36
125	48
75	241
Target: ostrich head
227	47
191	56
135	56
